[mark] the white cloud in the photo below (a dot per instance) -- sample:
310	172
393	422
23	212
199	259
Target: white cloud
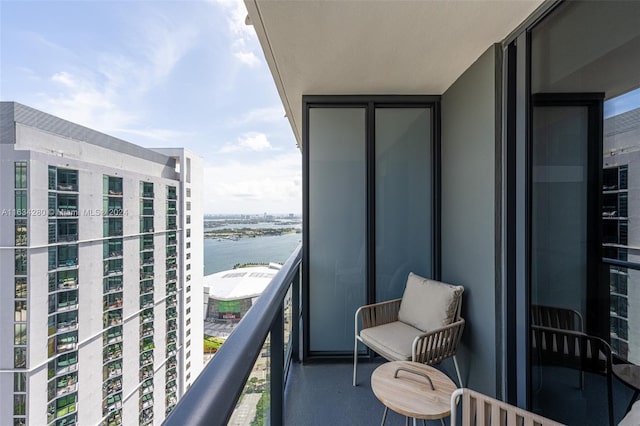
168	136
245	42
82	101
262	115
273	185
105	91
248	58
253	141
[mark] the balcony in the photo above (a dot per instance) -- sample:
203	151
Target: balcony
171	350
111	404
64	326
112	284
146	301
111	386
64	238
112	352
146	358
67	187
146	373
67	283
315	394
146	401
66	306
112	318
147	387
146	345
146	331
171	325
113	302
114	254
146	417
66	389
114	419
67	212
113	369
146	316
112	336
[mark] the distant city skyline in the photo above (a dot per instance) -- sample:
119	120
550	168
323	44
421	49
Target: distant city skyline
161	74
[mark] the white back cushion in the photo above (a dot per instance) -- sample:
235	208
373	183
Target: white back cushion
428	304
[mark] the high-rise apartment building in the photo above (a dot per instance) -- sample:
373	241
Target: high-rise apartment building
101	259
621	235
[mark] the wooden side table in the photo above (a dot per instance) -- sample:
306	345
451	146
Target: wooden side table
412	389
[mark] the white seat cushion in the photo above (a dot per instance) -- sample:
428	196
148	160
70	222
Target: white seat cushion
393	340
427	304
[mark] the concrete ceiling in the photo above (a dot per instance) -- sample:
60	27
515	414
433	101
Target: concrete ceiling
316	47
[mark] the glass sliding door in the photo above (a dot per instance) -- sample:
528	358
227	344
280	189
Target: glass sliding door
565	252
336	225
403	198
559	206
583	55
368	209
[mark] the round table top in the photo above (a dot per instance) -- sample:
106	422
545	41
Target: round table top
410	394
628	373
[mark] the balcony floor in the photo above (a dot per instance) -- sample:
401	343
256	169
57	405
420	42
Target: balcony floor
322	394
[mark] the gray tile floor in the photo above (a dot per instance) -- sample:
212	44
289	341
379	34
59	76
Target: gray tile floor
322	394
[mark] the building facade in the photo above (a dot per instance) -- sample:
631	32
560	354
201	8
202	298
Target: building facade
101	254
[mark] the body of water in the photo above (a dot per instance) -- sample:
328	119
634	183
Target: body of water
220	255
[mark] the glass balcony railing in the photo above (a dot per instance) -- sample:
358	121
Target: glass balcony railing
146	316
112	318
171	325
263	330
146	358
67	186
67	283
111	386
112	302
112	284
113	419
112	403
113	335
113	369
113	352
146	372
146	345
146	301
146	287
171	362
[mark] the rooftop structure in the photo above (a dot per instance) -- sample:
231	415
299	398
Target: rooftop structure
232	293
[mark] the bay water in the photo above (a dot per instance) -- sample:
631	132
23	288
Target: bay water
223	254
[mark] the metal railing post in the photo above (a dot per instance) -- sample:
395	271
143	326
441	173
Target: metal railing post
276	407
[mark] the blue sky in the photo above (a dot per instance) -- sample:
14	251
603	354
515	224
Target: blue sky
160	74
